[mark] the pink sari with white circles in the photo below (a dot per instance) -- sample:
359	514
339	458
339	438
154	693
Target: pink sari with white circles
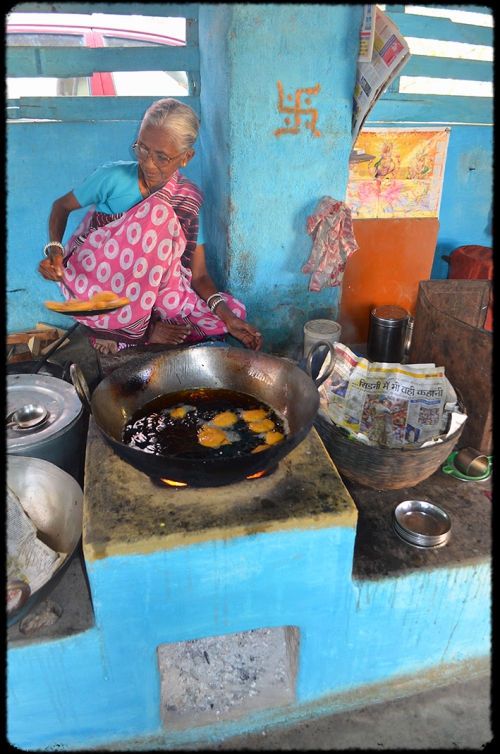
138	255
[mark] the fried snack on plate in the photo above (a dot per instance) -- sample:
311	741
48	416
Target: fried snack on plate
101	300
104	296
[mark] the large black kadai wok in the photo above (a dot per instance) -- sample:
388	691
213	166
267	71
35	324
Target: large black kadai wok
275	381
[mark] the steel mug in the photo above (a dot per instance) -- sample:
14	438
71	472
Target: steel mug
471	463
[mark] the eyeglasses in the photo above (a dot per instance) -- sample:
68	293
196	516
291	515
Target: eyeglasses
160	160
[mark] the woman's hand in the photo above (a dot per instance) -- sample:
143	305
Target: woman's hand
245	332
51	268
203	285
169	335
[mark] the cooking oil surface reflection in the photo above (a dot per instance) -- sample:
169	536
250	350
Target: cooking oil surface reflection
204	423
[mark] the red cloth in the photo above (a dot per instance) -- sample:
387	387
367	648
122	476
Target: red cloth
471	263
474	263
331	229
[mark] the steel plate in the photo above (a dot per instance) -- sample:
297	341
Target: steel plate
87	312
419	517
419	539
419	545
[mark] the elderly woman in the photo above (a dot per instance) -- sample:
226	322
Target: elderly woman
142	238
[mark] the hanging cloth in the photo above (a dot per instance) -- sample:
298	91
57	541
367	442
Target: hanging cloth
332	233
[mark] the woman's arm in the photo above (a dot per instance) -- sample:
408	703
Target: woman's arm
51	267
201	281
61	210
204	286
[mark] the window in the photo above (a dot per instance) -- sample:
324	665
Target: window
460	25
43	30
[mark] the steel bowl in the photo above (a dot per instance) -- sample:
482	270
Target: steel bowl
421	523
54	502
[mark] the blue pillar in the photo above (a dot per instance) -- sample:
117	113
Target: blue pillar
265	169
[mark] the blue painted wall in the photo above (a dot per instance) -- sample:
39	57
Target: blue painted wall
274	182
103	686
465	215
259	188
45	161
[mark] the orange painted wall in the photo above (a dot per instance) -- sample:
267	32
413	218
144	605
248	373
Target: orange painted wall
393	256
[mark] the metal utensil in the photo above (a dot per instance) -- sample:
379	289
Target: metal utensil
63	282
471	462
274	381
451	469
28	416
54	502
421	523
81	386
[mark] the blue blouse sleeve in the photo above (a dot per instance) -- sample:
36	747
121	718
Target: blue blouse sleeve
113	188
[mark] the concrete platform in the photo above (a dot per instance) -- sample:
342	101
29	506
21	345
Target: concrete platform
438	706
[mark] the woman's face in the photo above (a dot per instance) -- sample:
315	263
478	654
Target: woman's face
161	157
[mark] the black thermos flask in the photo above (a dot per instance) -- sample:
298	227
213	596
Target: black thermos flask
387	333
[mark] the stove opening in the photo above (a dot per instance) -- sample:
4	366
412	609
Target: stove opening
161	482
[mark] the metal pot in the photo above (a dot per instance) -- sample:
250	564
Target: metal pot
275	381
48	369
54	502
59	439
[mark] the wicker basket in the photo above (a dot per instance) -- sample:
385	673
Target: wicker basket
382	468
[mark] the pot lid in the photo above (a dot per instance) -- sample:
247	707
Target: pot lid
390	315
58	397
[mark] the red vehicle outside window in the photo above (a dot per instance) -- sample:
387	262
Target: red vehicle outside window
97	30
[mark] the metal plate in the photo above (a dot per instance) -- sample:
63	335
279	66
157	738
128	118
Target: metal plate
420	539
58	397
87	312
423	519
420	546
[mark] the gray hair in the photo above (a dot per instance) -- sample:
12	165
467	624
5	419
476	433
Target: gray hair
178	119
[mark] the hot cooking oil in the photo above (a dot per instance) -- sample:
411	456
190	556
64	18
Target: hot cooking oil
173	424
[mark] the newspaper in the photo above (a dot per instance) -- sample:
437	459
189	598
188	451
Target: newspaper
367	34
390	53
389	405
28	558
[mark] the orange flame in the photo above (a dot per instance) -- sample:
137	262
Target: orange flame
256	476
171	483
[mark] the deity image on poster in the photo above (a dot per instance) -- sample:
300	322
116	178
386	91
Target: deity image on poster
404	178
